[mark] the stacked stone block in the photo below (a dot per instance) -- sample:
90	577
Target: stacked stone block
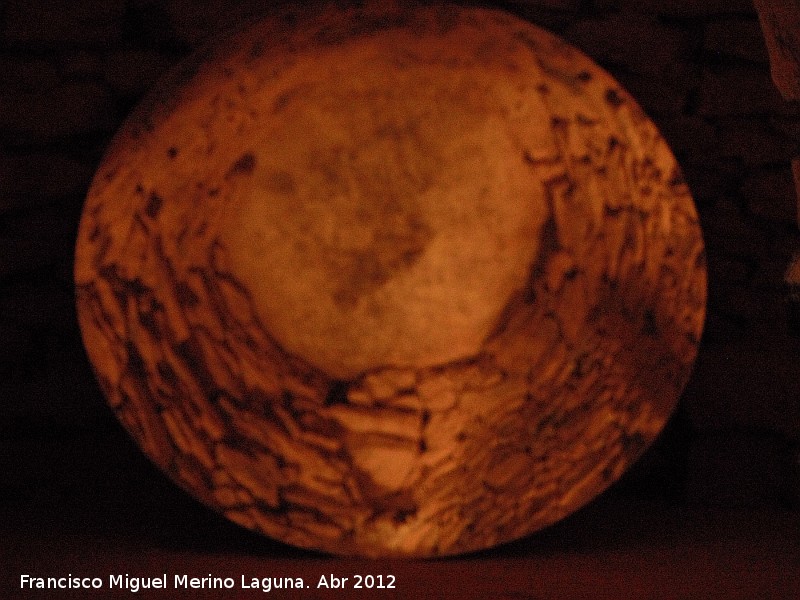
72	70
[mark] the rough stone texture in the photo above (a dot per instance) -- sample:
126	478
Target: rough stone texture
738	383
441	441
659	76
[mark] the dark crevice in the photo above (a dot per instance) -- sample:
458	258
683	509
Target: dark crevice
337	393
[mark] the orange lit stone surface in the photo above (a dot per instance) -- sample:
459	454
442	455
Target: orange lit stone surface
388	281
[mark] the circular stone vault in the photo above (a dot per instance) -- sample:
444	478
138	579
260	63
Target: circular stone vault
391	281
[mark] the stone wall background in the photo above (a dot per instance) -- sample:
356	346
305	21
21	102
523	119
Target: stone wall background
71	70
